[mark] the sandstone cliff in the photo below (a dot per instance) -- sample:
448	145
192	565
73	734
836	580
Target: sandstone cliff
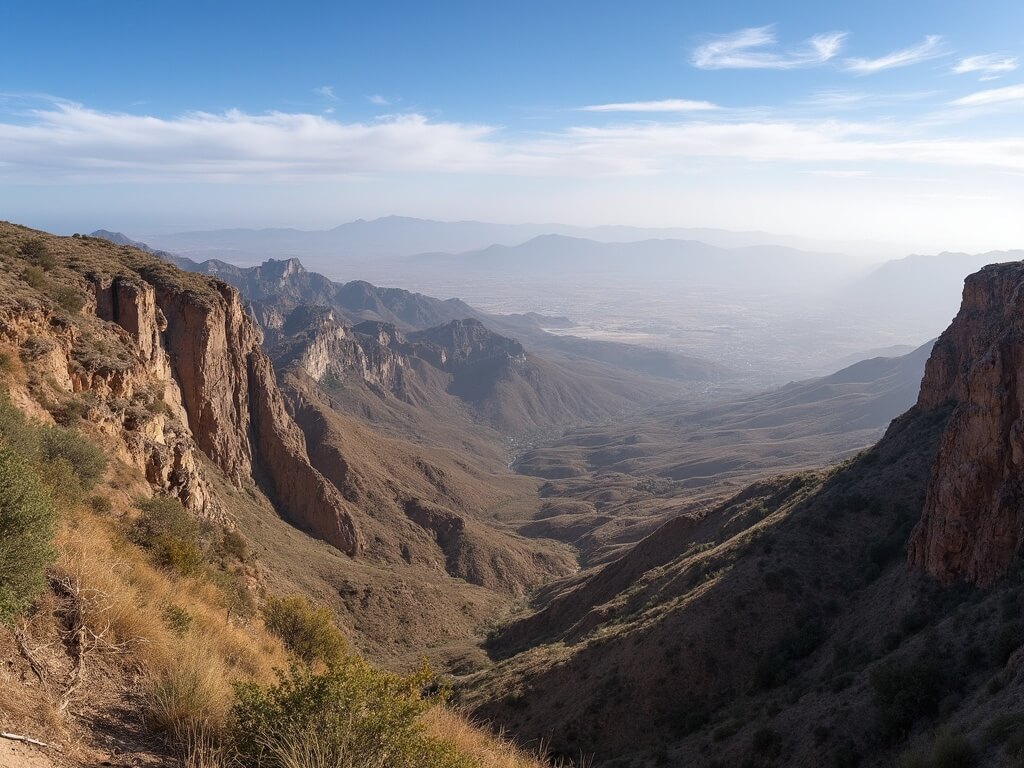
973	517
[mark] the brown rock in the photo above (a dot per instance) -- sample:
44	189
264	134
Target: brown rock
973	517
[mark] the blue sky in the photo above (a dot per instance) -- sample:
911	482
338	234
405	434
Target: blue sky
897	121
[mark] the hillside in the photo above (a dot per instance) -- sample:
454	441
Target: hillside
609	486
159	498
790	625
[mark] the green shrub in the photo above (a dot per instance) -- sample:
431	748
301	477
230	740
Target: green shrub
170	533
234	545
70	299
349	715
26	532
87	461
179	555
177	619
306	630
36	251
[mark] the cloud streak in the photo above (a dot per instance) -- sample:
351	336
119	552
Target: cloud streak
752	48
67	142
990	97
991	65
664	105
930	48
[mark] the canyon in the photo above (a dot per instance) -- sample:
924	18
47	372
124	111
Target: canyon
578	545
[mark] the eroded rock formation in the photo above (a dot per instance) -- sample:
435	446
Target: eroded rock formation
974	512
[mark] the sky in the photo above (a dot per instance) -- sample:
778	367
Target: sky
884	121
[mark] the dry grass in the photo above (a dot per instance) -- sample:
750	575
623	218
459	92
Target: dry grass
482	748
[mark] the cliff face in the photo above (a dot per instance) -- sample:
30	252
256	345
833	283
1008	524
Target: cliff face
973	520
171	367
236	412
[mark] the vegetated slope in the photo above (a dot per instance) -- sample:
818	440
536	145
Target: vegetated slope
609	486
138	550
786	626
169	365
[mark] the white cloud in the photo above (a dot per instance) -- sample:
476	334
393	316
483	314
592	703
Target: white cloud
377	99
747	49
67	142
1009	94
664	105
991	65
930	48
326	91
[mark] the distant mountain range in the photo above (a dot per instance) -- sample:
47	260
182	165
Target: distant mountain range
289	284
404	236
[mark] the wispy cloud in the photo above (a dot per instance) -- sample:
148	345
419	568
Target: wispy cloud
68	142
930	48
378	100
1009	94
326	91
751	49
990	65
664	105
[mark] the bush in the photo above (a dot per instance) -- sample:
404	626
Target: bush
34	276
177	619
306	630
26	532
234	545
36	251
101	505
348	715
70	299
905	692
170	533
87	461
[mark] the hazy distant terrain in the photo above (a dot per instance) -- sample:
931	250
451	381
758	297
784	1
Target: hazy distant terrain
772	308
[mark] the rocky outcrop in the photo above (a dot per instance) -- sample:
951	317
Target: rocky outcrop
973	520
236	412
309	499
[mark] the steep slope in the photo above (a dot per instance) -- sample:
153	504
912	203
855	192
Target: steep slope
972	524
168	365
609	486
785	626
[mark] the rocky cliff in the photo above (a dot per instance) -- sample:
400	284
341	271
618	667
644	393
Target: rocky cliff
169	365
973	518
